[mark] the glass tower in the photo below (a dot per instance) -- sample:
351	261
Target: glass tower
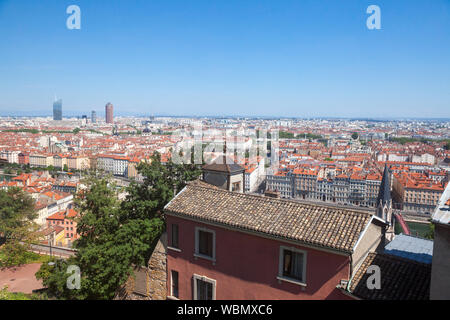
57	110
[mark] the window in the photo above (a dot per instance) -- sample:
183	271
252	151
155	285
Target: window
236	186
204	288
292	264
174	281
205	243
175	236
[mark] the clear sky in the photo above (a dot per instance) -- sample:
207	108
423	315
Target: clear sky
299	58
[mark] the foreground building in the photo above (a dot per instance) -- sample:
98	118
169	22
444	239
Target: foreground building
440	274
230	245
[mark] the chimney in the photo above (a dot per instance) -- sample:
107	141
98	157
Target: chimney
272	194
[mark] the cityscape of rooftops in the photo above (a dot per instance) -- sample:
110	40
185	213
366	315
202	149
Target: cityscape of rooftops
249	151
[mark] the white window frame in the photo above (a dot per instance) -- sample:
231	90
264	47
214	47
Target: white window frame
172	297
205	279
281	277
197	254
171	237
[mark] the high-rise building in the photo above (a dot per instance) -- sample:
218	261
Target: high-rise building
94	117
57	109
84	119
109	110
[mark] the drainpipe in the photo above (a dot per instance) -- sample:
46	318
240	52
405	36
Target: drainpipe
350	277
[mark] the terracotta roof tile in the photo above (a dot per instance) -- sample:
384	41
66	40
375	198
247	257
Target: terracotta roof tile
319	225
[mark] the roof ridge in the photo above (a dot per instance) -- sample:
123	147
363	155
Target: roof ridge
348	210
395	257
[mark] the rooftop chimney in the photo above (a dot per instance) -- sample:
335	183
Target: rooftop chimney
272	194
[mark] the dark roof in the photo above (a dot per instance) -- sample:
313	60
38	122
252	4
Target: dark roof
318	225
224	164
410	247
401	279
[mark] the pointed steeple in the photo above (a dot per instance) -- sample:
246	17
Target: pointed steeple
384	200
384	195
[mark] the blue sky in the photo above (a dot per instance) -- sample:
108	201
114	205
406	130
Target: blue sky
299	58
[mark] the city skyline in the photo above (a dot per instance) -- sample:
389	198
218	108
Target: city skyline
259	58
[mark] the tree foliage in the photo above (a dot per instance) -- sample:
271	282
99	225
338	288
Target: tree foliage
17	227
54	278
115	235
430	232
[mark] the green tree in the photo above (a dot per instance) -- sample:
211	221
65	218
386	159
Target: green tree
447	146
146	201
355	135
76	130
104	250
430	232
66	168
54	277
286	135
17	228
117	235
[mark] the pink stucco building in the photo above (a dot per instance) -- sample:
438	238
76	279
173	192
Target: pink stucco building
227	245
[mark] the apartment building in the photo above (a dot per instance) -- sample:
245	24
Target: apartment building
314	184
281	181
305	183
217	237
10	156
78	163
65	219
59	161
41	160
116	165
416	192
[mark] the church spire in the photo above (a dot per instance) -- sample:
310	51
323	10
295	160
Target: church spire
384	200
384	195
384	203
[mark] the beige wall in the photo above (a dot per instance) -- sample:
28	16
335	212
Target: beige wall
440	268
41	161
237	178
369	243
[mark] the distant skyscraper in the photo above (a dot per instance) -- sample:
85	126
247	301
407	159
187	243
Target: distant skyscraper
84	119
94	117
57	109
109	110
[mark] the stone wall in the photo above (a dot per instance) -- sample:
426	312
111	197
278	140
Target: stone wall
157	267
148	283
